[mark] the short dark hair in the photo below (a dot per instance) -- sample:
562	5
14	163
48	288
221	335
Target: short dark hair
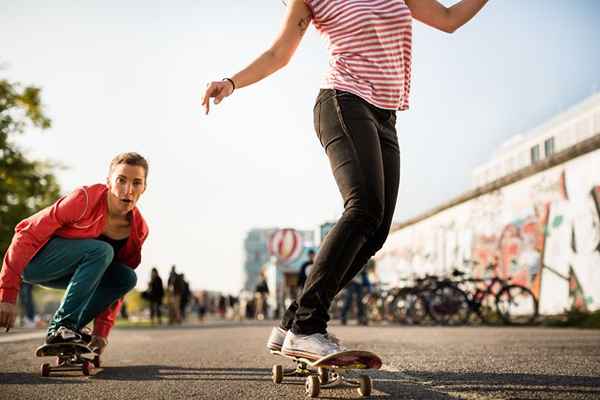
129	158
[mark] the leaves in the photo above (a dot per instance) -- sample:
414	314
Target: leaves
26	186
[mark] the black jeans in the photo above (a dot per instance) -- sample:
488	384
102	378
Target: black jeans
361	144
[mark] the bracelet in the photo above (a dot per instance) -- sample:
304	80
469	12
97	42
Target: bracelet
232	83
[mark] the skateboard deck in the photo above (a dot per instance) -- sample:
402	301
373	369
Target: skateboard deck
330	371
348	359
69	357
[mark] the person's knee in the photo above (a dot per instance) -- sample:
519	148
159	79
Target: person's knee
129	279
102	251
367	219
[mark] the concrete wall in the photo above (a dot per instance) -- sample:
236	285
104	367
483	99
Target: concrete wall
544	230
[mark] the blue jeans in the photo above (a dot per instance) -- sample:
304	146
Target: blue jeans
26	299
353	290
85	268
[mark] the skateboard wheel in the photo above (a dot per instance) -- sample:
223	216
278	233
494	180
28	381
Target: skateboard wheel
365	385
323	375
45	369
96	361
312	386
277	374
85	367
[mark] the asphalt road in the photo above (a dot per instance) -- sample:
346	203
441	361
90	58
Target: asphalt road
229	361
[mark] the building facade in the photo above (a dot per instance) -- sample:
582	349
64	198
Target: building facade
539	217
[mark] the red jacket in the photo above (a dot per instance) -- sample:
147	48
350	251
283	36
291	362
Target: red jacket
79	215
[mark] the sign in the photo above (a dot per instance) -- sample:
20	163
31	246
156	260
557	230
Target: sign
286	244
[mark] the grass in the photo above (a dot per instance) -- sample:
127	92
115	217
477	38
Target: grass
576	319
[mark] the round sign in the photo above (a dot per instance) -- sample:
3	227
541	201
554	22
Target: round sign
286	244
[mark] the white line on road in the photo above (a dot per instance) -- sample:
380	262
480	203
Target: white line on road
19	337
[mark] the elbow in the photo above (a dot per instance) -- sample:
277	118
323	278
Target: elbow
449	28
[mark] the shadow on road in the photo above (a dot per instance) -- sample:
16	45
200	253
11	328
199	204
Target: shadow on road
30	378
169	372
385	383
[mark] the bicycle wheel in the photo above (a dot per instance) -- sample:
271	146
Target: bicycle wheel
516	305
449	305
398	307
418	309
485	307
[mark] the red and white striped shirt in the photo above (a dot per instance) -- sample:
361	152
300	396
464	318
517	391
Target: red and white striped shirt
370	44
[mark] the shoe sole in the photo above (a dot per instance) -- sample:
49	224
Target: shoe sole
274	347
301	354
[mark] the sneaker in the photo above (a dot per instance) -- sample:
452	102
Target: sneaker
311	347
86	335
276	338
63	335
336	341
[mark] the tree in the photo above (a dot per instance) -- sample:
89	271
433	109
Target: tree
26	186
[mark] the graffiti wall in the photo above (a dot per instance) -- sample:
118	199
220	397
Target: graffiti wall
543	231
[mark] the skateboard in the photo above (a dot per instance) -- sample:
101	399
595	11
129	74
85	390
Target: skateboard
330	371
69	357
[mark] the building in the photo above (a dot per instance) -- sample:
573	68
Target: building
256	246
535	209
572	126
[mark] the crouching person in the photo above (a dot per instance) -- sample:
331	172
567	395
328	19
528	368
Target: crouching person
88	243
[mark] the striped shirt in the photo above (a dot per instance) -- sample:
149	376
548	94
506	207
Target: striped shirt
370	44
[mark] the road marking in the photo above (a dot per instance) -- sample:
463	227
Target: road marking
19	337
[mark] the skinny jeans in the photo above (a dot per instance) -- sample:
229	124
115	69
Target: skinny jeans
87	270
362	146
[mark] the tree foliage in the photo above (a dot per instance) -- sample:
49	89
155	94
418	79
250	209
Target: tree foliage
26	186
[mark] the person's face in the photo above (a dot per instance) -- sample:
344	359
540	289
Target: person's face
126	184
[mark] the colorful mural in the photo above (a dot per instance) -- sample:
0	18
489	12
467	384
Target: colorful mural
543	232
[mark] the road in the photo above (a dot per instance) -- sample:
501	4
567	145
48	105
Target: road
228	360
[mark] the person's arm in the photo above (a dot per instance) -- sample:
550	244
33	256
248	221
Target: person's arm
296	22
447	19
30	235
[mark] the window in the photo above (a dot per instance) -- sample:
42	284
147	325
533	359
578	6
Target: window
549	146
535	153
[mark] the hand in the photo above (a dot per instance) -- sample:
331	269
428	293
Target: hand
218	90
98	344
8	315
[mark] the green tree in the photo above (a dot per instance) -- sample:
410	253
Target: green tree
26	186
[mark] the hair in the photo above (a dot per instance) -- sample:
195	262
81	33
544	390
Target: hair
130	158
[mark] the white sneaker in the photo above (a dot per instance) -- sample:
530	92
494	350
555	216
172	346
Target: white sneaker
334	339
276	338
311	347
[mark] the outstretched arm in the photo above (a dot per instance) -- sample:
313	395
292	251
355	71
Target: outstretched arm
283	48
447	19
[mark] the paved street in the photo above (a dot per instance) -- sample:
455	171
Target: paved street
228	361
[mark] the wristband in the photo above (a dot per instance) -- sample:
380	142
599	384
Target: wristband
232	83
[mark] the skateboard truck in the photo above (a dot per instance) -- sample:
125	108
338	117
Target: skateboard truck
69	358
331	375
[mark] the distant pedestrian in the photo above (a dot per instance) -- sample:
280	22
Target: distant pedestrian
261	292
156	292
26	299
305	270
186	295
354	293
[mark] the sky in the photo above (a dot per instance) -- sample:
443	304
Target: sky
128	76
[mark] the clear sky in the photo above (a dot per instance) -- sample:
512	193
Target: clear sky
127	76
